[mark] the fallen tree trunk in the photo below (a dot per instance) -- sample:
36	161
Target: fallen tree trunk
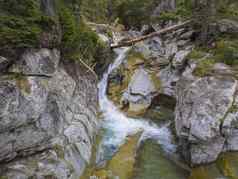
144	37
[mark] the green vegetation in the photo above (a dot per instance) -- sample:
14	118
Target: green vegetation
225	51
196	54
59	150
22	24
135	13
204	67
228	9
183	11
95	11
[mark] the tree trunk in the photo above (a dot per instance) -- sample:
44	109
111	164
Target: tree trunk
144	37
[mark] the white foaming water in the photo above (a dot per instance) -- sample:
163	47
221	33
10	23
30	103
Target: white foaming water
117	126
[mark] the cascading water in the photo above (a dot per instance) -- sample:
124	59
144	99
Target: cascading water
117	126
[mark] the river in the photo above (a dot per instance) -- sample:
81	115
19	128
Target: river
117	126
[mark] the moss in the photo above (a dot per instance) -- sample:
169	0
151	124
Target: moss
167	16
227	163
196	54
205	172
59	150
227	51
204	67
155	79
233	108
23	84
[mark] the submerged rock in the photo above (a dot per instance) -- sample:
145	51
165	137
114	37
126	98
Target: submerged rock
152	163
121	165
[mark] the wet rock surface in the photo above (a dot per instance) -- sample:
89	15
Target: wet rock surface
140	92
48	115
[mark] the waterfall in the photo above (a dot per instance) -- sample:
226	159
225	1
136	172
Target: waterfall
117	126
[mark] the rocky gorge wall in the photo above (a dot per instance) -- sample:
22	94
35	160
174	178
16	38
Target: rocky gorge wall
48	98
48	117
48	101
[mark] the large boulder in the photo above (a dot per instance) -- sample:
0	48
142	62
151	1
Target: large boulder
48	112
140	91
201	113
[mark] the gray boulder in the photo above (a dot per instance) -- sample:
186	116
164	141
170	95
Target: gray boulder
202	106
140	91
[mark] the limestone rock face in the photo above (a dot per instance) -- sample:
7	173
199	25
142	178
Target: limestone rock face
203	115
140	91
47	117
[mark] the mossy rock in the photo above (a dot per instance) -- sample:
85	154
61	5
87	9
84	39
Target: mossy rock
23	84
204	67
228	164
59	150
122	163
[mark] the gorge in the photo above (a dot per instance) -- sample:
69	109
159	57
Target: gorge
164	108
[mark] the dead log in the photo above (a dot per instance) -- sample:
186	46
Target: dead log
144	37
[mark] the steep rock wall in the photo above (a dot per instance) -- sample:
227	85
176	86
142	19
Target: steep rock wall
48	117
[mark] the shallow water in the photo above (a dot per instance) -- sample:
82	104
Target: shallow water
117	126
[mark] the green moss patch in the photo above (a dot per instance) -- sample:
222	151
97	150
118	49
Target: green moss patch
227	163
225	51
204	67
